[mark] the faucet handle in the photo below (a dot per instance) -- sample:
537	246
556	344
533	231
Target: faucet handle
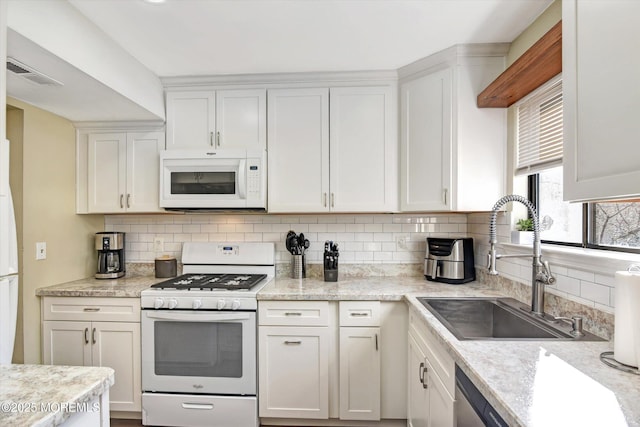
544	275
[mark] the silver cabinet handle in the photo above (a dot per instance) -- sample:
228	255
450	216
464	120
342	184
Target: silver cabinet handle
444	195
293	313
218	139
128	200
333	200
91	309
376	342
93	336
121	204
324	198
293	342
86	337
358	314
421	371
211	139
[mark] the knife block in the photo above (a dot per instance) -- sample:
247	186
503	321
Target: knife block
330	268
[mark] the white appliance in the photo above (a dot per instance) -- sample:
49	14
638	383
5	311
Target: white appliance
8	261
232	178
199	334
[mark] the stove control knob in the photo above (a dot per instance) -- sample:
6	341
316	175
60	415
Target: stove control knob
235	304
221	304
158	303
197	304
173	303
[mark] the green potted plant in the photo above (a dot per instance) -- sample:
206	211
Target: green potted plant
523	235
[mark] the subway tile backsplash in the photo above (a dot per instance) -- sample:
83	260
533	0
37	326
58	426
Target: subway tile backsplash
362	238
383	244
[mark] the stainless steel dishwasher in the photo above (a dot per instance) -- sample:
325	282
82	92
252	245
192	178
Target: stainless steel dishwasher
472	409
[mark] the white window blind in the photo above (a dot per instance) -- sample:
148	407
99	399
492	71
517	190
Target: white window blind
539	132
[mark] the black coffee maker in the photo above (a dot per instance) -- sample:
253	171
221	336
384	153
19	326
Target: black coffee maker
110	247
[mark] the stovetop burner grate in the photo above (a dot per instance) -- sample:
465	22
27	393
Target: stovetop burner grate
212	282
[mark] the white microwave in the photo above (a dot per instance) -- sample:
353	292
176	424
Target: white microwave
232	178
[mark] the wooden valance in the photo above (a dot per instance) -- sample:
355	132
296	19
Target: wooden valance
536	66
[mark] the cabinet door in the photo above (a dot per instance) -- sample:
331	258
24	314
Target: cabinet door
363	149
117	345
241	118
298	132
425	142
106	172
601	99
191	119
359	373
293	366
66	343
143	171
418	394
441	404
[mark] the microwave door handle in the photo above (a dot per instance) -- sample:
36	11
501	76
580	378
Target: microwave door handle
242	179
197	317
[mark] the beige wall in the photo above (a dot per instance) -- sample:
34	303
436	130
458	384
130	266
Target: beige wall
551	16
48	215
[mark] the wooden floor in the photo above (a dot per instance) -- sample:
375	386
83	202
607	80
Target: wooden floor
116	422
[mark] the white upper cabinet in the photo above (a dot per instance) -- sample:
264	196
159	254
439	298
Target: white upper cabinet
216	119
363	150
122	172
452	154
601	99
298	155
241	117
426	142
350	168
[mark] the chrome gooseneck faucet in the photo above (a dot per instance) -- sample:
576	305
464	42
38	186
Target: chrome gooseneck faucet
541	274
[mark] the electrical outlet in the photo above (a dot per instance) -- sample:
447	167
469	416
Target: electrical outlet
158	244
41	250
401	241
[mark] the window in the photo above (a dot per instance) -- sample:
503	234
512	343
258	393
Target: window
603	225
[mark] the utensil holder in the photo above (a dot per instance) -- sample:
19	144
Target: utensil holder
298	267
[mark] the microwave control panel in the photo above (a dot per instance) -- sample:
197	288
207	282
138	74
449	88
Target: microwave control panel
254	179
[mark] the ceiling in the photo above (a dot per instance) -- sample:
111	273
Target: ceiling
219	37
210	37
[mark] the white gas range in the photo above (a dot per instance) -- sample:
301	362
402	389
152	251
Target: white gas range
199	356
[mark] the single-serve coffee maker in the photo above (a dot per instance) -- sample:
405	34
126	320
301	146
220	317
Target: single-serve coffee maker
110	247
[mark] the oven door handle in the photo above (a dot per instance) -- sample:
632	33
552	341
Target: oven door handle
197	317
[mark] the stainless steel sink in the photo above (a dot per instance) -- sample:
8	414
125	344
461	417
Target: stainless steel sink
498	319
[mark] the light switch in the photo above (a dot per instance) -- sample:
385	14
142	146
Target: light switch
41	250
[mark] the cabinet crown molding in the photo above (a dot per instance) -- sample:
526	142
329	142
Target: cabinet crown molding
276	79
454	55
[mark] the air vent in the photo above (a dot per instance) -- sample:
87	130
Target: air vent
29	73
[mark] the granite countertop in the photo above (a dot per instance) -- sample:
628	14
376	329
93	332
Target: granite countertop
44	395
530	383
129	286
543	383
370	288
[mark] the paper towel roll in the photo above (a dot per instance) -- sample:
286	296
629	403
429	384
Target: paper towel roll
626	346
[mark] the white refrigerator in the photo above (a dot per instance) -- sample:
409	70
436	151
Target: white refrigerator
8	261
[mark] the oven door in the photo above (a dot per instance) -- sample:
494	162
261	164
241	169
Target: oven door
206	352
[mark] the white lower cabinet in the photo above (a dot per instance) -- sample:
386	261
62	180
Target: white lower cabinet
431	380
82	332
326	360
293	367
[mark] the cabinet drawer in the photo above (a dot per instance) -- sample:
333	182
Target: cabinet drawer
359	313
442	363
91	309
293	313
